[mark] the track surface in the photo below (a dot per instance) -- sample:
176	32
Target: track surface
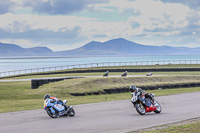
107	117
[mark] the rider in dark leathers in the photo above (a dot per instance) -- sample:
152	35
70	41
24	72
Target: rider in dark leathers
139	91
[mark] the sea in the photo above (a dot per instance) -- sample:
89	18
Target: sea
21	63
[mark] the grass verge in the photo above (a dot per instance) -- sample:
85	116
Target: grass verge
16	96
111	73
98	84
188	126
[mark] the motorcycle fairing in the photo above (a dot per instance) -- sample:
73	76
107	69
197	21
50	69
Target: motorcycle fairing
146	101
52	110
59	107
151	108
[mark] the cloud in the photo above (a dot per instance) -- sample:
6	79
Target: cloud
190	3
56	7
6	6
151	14
172	23
61	22
17	25
40	34
50	7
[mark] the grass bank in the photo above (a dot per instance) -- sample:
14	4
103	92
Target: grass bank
110	74
98	84
189	126
16	96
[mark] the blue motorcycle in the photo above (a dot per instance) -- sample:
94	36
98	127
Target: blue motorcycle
55	108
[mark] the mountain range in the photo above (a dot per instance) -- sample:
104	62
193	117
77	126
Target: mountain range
15	50
119	47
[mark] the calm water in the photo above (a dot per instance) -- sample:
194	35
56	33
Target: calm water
20	63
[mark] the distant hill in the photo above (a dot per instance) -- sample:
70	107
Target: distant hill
119	47
123	47
15	50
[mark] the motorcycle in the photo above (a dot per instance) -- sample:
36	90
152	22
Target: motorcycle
55	109
144	105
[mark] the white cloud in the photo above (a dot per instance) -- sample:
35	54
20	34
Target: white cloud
53	23
148	19
152	15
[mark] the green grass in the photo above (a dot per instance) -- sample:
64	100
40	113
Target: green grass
20	96
185	128
111	73
98	84
16	96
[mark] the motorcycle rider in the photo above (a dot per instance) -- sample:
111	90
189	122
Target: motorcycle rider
47	97
141	92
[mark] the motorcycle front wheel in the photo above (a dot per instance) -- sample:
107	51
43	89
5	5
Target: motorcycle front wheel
140	109
55	115
158	109
72	113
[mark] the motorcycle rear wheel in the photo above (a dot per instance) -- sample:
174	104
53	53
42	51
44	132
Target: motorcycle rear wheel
140	109
51	114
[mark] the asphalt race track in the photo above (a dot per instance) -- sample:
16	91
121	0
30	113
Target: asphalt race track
107	117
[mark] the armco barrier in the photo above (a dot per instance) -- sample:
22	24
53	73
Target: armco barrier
150	87
97	65
113	70
35	83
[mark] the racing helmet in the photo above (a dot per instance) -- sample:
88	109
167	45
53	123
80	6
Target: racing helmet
47	96
132	88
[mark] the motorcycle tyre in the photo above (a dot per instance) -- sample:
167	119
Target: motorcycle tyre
72	113
158	111
50	114
137	109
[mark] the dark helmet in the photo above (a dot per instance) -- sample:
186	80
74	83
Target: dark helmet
132	88
47	96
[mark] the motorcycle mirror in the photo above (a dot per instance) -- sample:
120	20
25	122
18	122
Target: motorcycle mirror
64	101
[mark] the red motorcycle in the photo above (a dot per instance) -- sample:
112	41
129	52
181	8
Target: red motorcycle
144	105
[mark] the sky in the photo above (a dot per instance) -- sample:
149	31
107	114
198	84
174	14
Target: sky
69	24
